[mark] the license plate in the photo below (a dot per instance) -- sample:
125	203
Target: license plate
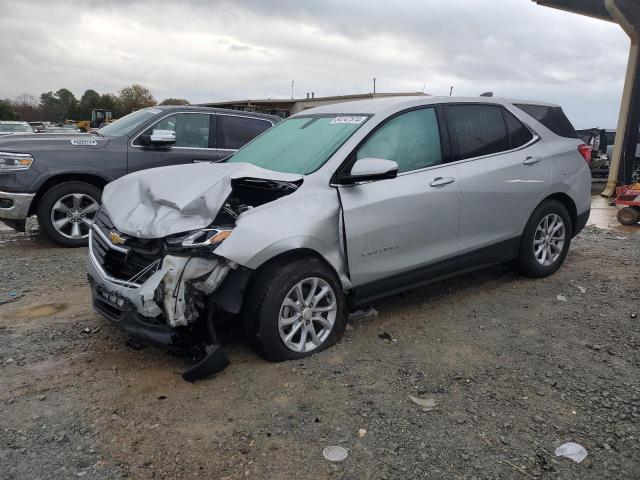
113	298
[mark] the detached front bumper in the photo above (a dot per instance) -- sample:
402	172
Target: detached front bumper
118	301
108	301
14	209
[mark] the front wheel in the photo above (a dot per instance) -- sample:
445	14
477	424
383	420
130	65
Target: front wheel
65	213
545	242
295	309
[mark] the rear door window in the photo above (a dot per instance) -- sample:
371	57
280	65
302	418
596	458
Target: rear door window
551	117
476	130
519	135
233	131
411	139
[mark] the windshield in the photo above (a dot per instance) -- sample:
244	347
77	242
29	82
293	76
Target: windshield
128	123
15	127
301	144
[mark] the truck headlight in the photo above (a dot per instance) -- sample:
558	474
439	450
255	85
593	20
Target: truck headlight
207	237
14	162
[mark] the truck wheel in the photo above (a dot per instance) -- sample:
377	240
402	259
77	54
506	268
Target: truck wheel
628	216
545	242
295	309
65	213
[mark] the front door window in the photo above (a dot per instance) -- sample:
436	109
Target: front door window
192	129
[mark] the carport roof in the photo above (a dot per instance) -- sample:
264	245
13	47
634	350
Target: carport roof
598	8
591	8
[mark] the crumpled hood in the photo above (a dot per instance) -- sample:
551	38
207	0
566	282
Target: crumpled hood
162	201
35	142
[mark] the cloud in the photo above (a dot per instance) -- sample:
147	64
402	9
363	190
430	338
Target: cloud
221	50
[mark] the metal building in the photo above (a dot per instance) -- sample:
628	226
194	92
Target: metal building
625	13
290	106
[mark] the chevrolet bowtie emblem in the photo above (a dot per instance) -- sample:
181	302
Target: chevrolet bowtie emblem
116	239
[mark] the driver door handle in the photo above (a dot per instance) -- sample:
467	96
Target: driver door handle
440	181
531	160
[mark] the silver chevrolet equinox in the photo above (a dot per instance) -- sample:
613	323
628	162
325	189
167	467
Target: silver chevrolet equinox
330	209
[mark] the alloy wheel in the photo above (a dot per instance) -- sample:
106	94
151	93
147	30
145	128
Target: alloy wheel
307	315
549	239
72	215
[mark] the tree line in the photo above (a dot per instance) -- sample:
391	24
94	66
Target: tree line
63	105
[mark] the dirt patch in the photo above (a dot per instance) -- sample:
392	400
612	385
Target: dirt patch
35	311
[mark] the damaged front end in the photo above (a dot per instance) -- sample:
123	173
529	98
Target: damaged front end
170	292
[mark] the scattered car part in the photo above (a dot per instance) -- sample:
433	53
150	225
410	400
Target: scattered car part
572	450
335	453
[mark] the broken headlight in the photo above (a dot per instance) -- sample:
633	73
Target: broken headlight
14	162
207	237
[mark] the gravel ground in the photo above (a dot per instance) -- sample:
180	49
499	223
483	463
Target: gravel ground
516	367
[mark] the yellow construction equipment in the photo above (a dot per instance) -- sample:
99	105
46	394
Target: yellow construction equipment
99	118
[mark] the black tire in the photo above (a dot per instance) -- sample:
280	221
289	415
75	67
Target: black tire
51	197
628	216
266	294
526	262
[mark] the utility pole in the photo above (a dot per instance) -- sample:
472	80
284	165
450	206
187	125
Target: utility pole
292	82
374	85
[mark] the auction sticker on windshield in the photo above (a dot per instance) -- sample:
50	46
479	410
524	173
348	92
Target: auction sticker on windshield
351	119
81	143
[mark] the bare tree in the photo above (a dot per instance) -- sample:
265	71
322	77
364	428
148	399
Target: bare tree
27	107
133	98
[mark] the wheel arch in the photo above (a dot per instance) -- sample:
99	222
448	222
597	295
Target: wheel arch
292	255
566	200
241	283
92	179
569	204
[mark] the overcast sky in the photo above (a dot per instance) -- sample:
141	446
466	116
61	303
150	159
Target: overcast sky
217	50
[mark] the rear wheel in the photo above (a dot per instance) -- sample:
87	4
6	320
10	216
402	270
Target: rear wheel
628	216
66	211
295	309
545	242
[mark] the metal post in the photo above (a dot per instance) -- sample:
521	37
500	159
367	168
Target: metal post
627	131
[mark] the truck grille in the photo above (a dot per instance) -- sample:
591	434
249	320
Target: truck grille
127	260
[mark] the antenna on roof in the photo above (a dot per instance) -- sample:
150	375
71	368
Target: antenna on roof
374	85
450	90
292	82
487	94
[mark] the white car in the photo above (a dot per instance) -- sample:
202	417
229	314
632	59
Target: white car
8	127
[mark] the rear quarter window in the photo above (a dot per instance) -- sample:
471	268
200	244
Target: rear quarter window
551	117
519	135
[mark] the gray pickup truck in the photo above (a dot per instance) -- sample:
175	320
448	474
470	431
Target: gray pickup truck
60	177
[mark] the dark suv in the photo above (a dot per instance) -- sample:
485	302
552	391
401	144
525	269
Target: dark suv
60	177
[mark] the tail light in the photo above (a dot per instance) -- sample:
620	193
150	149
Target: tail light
585	151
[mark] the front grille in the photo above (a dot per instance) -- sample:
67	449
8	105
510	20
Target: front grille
140	253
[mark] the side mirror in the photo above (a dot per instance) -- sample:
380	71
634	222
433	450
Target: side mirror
369	169
162	138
